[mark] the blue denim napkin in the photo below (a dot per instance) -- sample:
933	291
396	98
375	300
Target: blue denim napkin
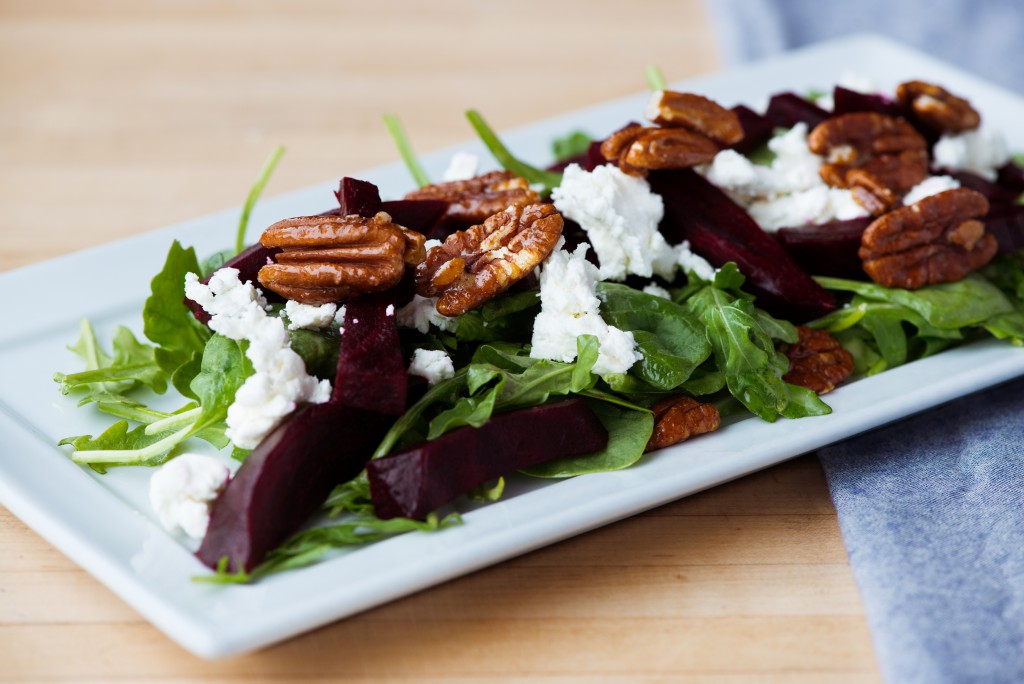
932	513
982	37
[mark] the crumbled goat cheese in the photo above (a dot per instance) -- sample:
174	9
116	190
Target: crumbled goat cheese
421	313
280	381
789	192
657	291
431	244
463	166
620	215
979	151
339	319
183	489
432	364
932	185
570	307
308	316
693	262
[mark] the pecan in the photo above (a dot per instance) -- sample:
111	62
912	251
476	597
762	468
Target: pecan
638	149
335	258
817	361
879	156
937	107
479	263
935	240
696	113
678	418
472	201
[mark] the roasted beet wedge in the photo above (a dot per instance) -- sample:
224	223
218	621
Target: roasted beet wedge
845	101
788	109
423	216
248	262
995	193
829	249
1006	223
757	129
415	482
286	478
358	197
371	368
720	230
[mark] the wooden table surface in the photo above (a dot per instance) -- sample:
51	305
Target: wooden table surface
118	117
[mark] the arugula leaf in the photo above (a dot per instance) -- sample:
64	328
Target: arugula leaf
169	323
546	179
670	337
803	403
570	145
506	318
107	379
416	170
628	433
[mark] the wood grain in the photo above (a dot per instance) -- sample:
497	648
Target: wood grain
118	117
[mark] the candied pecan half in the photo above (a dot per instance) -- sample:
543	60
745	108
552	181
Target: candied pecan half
817	361
335	258
879	156
678	418
472	201
937	107
481	262
696	113
638	149
935	240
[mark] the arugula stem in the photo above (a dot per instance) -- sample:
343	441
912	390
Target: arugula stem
254	195
508	162
132	456
655	79
174	420
446	387
416	169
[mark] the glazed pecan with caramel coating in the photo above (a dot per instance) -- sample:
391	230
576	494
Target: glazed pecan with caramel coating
936	240
479	263
638	149
336	258
472	201
678	418
937	107
696	113
817	361
880	156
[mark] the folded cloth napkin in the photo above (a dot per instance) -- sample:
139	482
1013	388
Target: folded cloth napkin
983	37
932	513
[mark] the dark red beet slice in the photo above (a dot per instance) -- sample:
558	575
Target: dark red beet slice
423	216
846	101
415	482
829	249
720	230
995	193
371	368
358	197
248	262
788	109
286	479
1011	177
757	129
1006	223
594	158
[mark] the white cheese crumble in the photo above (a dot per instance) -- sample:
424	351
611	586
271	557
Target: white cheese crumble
620	215
183	489
932	185
693	262
978	151
431	244
657	290
570	307
421	313
463	166
307	316
432	364
280	381
789	192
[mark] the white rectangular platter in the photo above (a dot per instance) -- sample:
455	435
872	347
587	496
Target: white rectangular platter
104	522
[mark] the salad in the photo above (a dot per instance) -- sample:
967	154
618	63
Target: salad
377	364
